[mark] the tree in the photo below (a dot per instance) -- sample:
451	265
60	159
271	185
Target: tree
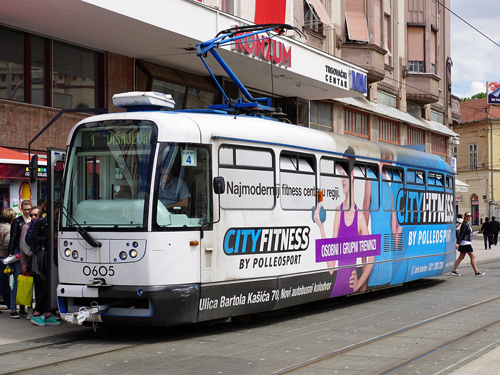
481	95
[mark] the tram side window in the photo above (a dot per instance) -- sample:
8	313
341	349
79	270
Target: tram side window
334	182
415	177
449	183
435	179
298	181
365	174
392	189
249	174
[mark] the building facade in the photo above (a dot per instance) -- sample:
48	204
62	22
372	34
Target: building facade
478	159
376	69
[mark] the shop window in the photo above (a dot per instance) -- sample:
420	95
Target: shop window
388	131
439	144
416	136
75	81
321	116
188	90
75	76
11	65
356	123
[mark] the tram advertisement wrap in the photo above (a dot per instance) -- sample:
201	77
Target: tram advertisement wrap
241	298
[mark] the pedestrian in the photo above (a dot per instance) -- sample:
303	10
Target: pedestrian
464	245
14	248
495	227
486	230
458	223
8	216
40	241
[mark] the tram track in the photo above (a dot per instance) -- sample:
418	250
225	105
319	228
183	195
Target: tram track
112	345
351	348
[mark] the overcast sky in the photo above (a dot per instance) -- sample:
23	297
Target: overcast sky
475	58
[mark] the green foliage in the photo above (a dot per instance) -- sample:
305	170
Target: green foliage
481	95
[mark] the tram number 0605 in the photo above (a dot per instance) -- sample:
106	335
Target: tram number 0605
99	271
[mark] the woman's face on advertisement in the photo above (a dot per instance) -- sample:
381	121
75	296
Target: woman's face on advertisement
345	182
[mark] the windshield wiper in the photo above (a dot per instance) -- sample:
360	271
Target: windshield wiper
82	231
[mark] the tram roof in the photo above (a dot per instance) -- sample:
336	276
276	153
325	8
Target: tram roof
199	127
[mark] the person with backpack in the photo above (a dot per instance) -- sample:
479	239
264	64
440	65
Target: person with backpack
495	227
39	244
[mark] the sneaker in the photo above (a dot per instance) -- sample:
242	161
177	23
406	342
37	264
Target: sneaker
14	315
50	321
37	320
454	273
29	316
480	274
22	312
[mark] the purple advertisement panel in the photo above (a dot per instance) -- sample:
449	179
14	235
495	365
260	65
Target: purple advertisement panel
343	248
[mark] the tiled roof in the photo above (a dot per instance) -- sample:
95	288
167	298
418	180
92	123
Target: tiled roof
477	110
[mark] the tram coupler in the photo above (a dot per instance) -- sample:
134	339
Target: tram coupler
85	313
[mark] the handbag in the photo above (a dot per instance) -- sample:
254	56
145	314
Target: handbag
24	294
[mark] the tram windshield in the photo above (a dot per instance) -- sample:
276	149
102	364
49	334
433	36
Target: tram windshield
108	174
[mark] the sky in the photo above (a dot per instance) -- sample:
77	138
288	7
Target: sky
475	58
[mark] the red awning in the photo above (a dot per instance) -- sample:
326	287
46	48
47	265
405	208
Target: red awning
14	164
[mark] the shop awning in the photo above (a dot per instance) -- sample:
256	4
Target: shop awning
460	186
14	164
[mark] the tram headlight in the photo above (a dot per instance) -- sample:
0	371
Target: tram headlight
132	253
65	243
123	255
67	252
135	244
74	254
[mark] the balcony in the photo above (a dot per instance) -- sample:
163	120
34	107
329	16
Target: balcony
422	88
366	56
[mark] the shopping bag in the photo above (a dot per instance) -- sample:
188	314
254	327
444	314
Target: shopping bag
24	294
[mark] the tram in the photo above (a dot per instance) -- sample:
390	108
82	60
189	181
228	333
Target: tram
173	217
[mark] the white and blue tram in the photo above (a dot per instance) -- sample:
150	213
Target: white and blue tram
276	215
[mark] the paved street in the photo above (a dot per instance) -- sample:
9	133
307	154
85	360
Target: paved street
443	325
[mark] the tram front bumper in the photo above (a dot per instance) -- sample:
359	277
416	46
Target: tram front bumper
150	305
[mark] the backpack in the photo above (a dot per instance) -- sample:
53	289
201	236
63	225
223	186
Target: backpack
25	248
29	233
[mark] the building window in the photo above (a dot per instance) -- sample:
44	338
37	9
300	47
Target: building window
455	152
388	131
355	15
416	66
416	136
473	156
188	90
386	99
438	144
311	18
437	117
416	56
73	75
356	123
387	39
321	116
414	109
11	65
433	51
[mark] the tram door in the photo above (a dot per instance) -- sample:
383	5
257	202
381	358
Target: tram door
55	166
